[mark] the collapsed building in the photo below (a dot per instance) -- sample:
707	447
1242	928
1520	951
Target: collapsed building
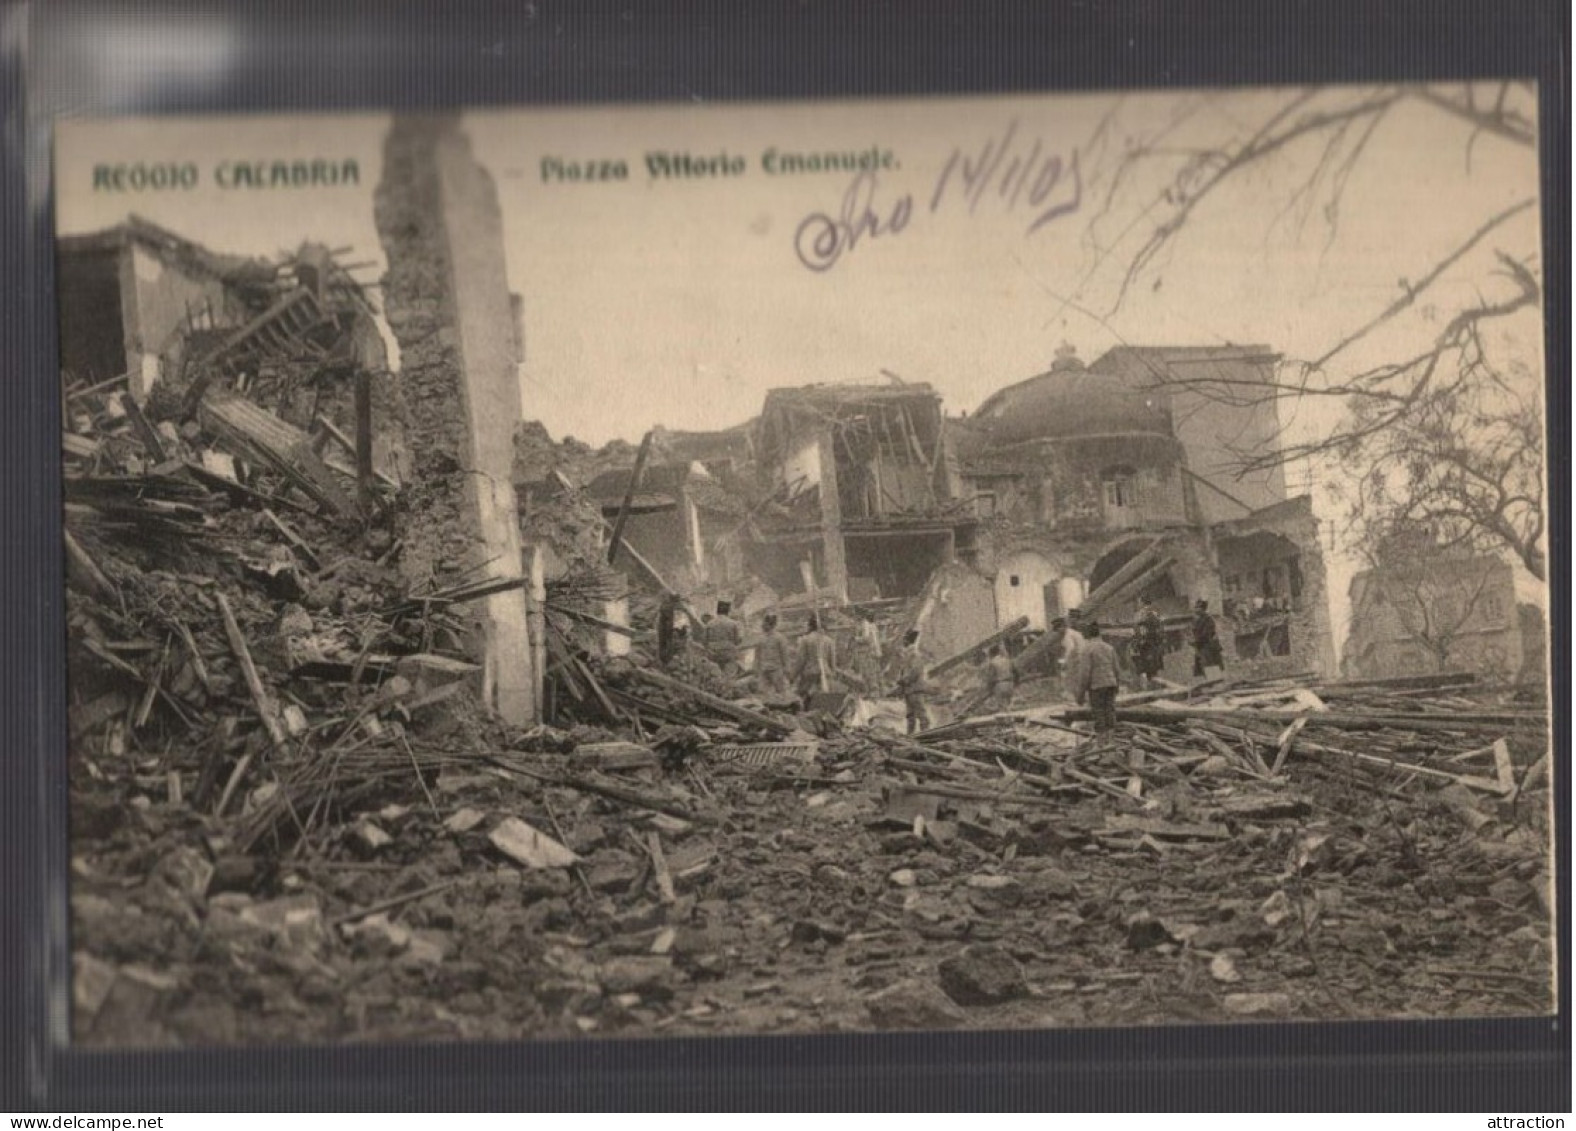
1091	488
366	745
865	495
284	366
1099	486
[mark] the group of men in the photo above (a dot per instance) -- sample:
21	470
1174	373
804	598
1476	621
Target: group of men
1089	665
783	667
1092	670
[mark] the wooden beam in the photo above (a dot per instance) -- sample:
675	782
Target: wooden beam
260	699
996	637
629	497
364	437
599	622
1138	564
88	568
259	434
145	431
1092	610
716	703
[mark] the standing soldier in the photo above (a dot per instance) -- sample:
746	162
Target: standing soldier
865	654
1001	679
1206	641
680	660
815	663
667	621
772	659
1068	650
723	638
1149	644
1097	679
911	682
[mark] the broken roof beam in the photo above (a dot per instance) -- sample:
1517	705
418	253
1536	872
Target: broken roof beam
1136	582
1017	626
717	704
253	330
1138	564
260	434
629	498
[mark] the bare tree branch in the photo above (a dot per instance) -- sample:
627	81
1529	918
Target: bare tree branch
1499	122
1413	290
1437	434
1269	139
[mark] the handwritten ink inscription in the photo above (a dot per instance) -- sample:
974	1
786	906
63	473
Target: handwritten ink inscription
1004	173
821	240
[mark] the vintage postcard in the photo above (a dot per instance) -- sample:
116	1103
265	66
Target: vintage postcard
1045	561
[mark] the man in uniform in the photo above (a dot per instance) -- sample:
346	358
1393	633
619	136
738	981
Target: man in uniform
1001	679
691	664
723	637
1097	679
1069	650
911	682
772	659
1149	644
815	662
865	654
1206	640
667	622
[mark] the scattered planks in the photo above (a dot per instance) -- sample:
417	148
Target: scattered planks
715	703
1483	720
260	699
611	790
254	432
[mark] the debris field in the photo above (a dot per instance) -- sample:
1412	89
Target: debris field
294	818
292	821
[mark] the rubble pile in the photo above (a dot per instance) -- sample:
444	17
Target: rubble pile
293	817
669	860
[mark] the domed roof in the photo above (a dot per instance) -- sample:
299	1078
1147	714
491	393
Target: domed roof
1069	401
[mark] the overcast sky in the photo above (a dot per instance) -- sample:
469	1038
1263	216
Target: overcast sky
680	301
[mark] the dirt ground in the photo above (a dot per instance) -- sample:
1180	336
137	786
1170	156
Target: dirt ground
808	896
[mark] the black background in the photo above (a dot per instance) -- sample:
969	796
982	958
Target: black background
401	55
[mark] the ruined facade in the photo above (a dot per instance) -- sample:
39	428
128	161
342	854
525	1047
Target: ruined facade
861	487
1083	480
448	303
1072	489
1432	611
681	519
139	301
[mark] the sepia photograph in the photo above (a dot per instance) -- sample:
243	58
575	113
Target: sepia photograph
956	563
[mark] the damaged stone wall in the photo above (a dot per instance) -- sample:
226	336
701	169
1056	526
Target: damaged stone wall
1063	483
449	307
1147	467
158	300
957	609
1312	645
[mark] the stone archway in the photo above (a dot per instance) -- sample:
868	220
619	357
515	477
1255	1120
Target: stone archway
1164	588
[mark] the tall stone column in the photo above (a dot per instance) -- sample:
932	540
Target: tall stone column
446	297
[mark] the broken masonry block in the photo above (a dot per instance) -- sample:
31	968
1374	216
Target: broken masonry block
427	672
525	845
913	1004
464	820
982	975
